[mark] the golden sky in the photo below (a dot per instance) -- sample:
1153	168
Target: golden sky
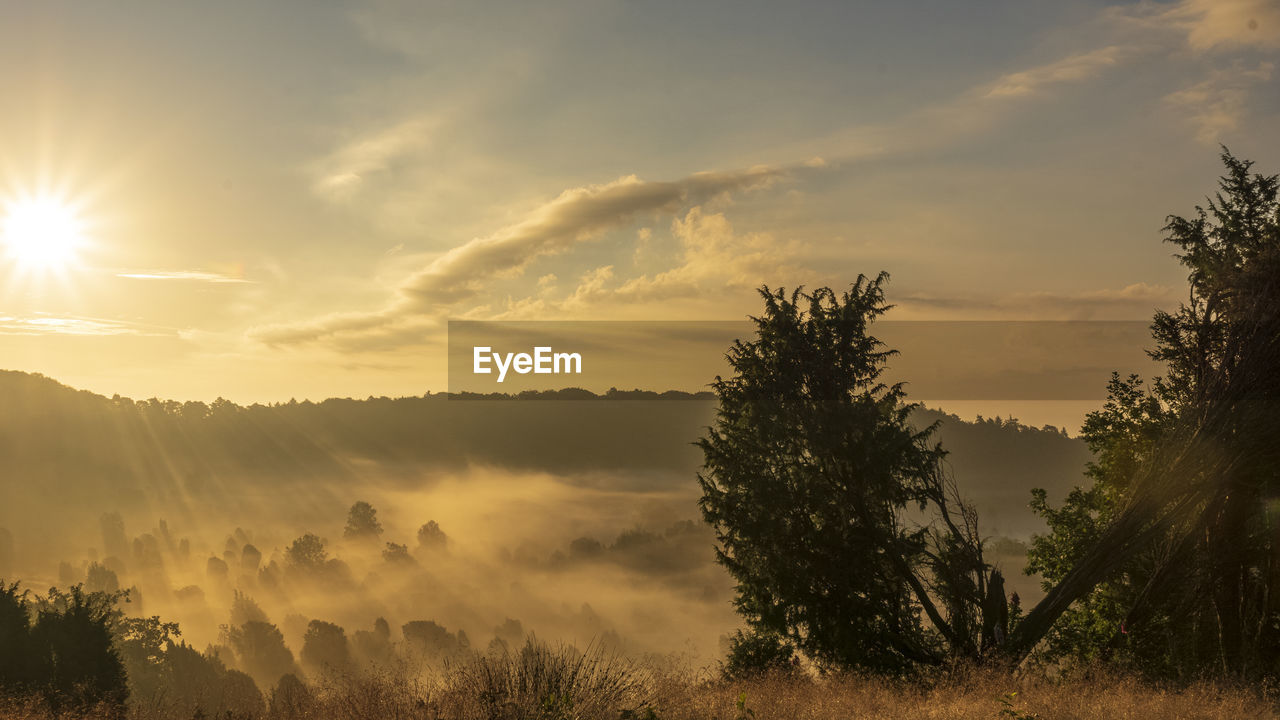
270	200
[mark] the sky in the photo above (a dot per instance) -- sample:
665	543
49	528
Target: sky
291	199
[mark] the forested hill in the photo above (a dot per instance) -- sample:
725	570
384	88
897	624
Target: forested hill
59	444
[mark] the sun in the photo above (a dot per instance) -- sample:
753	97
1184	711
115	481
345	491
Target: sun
41	233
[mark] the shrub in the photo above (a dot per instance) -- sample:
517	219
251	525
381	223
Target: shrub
543	682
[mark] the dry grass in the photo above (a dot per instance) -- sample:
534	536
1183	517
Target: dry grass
543	683
982	695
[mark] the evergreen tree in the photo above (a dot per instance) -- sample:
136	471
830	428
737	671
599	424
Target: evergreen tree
1171	555
811	472
362	522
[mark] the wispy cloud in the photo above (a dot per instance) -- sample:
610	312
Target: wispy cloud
346	171
712	257
1211	24
1070	69
577	215
189	275
1216	104
45	324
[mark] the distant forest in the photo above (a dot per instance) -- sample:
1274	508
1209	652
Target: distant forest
137	454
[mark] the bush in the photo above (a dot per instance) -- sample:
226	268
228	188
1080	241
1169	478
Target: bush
545	683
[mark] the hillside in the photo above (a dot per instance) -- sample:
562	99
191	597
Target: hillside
76	452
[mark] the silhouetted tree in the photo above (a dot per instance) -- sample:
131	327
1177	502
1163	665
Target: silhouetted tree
429	639
431	537
510	634
216	568
290	698
101	580
73	646
250	559
142	645
397	554
362	522
16	651
244	609
261	649
1171	554
374	647
810	470
307	553
325	648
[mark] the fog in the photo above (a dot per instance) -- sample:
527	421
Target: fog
573	521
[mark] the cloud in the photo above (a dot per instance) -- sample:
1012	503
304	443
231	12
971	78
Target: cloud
1214	24
343	173
1070	69
1216	105
351	323
712	258
190	275
577	215
44	324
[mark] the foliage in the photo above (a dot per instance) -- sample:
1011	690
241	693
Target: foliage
15	637
759	652
397	554
261	650
307	553
362	522
1170	554
809	473
431	537
325	647
61	648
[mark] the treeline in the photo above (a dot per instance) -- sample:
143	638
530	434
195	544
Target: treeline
155	455
75	652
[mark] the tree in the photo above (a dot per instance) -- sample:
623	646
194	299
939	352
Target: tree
397	554
101	579
307	553
142	645
261	649
810	470
1178	527
15	639
374	647
362	522
1122	436
250	559
72	646
429	639
325	648
431	537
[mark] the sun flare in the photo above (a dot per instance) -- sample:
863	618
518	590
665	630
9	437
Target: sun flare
41	233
